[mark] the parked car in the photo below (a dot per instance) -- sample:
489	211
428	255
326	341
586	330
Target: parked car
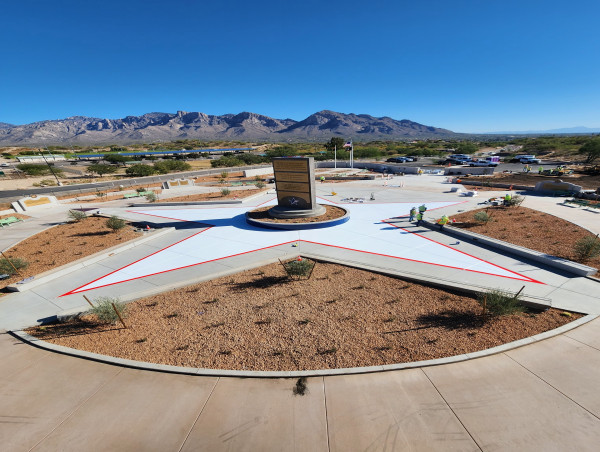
397	160
488	161
525	158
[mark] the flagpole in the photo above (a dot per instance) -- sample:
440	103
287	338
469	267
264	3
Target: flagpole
335	156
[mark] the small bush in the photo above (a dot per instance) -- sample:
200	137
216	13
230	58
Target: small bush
105	312
5	266
301	267
224	174
587	248
225	191
77	215
115	223
482	217
151	197
498	302
260	184
515	201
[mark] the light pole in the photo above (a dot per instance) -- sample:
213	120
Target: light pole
51	170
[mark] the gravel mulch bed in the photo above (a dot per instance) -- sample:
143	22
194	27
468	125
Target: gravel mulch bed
331	213
261	320
586	181
215	196
529	228
65	243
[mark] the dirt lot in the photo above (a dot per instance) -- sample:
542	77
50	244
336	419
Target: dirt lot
260	320
587	182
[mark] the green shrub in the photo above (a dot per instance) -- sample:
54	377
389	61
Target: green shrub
105	312
77	215
299	267
140	170
587	248
515	201
115	223
498	302
259	184
18	263
482	217
151	197
225	191
224	174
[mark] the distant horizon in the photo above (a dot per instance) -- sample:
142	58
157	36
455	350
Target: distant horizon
469	67
556	130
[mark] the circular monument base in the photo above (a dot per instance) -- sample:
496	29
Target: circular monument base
284	212
330	216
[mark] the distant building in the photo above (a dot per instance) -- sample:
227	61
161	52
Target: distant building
40	159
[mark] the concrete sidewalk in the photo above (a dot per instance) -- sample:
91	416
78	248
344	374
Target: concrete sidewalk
542	396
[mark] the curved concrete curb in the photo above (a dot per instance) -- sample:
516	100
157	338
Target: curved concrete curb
299	226
50	275
546	259
293	374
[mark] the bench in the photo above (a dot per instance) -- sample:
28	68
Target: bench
8	221
131	195
145	193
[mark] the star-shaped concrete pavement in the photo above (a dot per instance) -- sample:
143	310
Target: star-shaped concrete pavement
224	233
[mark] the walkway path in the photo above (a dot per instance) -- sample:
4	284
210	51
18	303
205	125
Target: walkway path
541	396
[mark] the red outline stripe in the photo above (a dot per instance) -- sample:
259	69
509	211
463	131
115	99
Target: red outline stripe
209	226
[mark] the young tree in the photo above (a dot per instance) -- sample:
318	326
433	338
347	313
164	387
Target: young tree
335	142
591	149
140	170
101	169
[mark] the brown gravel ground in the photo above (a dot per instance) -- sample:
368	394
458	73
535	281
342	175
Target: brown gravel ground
529	228
331	213
239	194
65	243
260	320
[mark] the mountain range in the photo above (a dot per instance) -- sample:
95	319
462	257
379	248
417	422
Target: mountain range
566	130
155	127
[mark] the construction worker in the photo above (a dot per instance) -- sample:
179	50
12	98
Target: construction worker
540	170
422	208
413	212
507	199
443	221
419	218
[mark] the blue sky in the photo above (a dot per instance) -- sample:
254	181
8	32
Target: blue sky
468	66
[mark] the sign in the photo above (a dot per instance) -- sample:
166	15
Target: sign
295	182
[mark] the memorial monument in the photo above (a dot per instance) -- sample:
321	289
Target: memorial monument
295	186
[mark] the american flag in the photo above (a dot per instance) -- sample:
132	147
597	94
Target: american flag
348	144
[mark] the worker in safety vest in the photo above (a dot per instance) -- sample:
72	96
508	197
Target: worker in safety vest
419	218
443	221
422	208
540	170
413	212
507	199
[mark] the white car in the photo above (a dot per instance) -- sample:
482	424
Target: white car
483	163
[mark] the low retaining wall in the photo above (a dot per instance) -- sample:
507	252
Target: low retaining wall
379	167
543	258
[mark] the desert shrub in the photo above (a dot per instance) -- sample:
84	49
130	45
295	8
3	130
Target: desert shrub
105	312
151	197
259	184
18	263
299	267
115	223
515	201
498	302
45	183
140	170
225	191
76	215
587	248
482	217
224	174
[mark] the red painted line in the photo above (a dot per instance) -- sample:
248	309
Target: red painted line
74	291
467	254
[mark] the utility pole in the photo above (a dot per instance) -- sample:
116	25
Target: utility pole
51	170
